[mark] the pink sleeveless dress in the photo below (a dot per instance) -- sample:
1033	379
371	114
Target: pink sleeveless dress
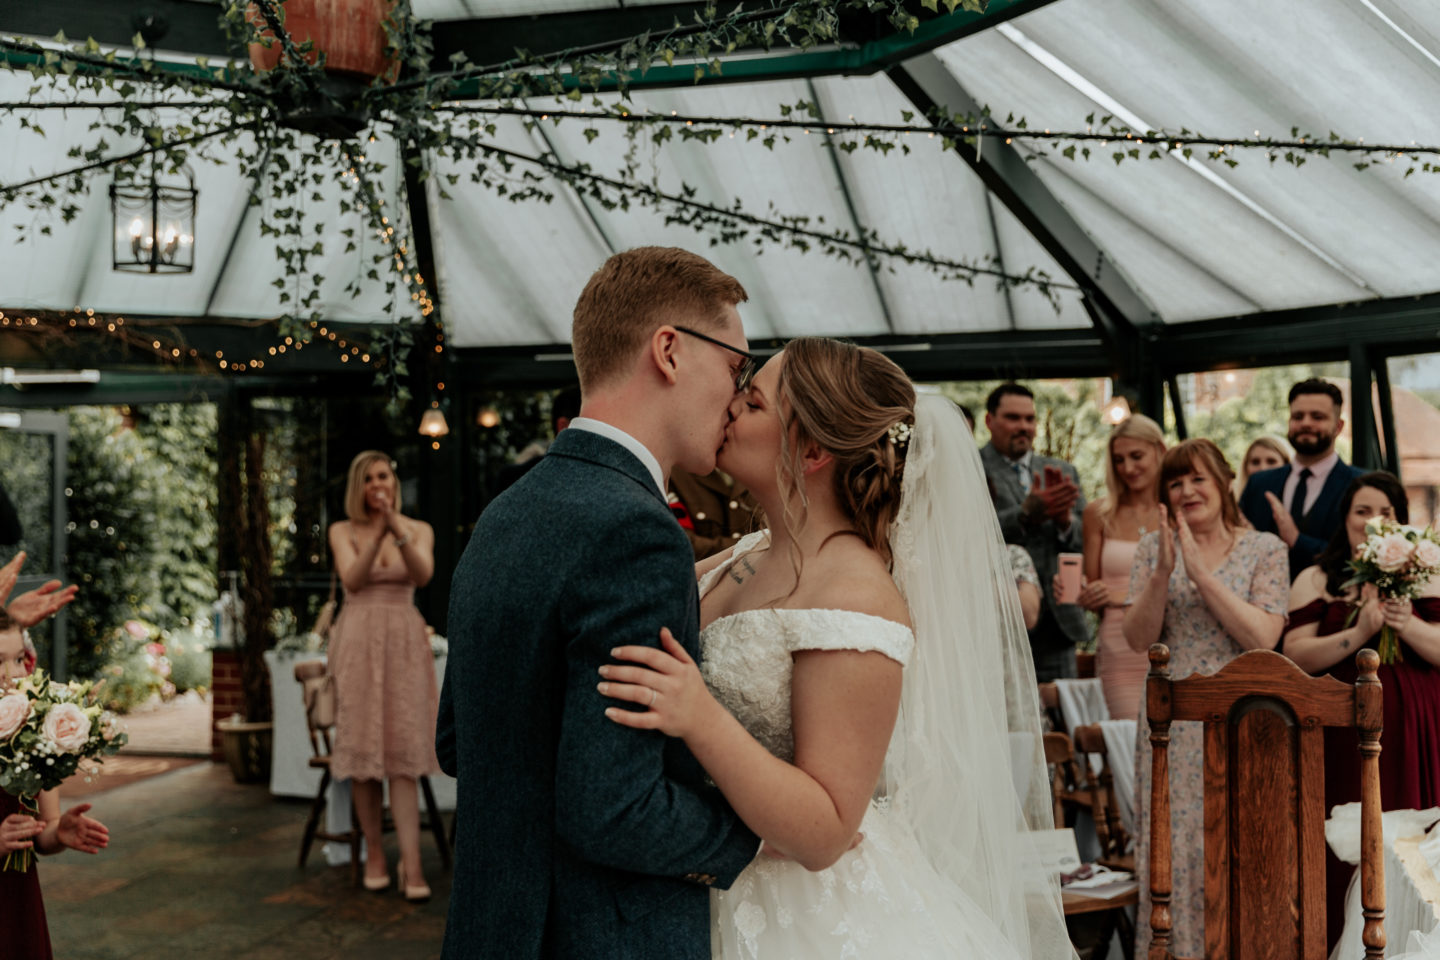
385	692
1121	670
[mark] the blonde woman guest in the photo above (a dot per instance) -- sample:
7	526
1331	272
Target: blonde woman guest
1210	589
1114	525
386	696
1264	453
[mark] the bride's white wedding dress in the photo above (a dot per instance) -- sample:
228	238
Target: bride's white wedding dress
883	899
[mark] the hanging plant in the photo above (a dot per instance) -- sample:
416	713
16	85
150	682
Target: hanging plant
344	92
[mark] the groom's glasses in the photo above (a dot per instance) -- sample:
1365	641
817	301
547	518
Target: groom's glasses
743	373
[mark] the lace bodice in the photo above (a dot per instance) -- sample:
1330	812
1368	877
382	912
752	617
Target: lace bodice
746	656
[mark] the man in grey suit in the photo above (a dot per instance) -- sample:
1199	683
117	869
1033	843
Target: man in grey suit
577	837
1039	503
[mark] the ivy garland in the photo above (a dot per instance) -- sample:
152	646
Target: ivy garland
261	123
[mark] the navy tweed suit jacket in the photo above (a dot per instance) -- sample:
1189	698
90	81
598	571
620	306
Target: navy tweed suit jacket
1319	524
575	837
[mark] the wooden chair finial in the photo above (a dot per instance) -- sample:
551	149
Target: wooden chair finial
1159	657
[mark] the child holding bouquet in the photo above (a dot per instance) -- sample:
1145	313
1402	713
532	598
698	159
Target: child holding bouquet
23	832
1332	618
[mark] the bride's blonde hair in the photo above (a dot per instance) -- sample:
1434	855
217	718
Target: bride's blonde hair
845	399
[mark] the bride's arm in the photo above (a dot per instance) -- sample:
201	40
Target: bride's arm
844	704
843	708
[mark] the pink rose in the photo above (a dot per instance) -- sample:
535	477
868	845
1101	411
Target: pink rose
1427	554
136	629
1393	552
67	727
14	711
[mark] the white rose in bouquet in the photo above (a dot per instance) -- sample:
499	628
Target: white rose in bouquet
1427	554
14	711
1393	552
67	727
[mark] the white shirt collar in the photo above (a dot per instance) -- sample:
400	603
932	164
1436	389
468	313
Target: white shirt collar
612	432
1321	470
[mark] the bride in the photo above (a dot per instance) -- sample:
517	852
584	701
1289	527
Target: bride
866	701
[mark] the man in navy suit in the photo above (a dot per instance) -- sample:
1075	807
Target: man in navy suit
576	837
1300	502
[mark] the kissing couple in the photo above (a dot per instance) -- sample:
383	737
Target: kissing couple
799	748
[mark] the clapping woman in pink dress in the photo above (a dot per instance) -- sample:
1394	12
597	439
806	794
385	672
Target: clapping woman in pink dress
385	691
1114	525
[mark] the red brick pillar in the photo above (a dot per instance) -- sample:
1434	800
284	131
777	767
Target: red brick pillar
226	695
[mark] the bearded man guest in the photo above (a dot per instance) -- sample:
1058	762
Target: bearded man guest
1300	502
1039	503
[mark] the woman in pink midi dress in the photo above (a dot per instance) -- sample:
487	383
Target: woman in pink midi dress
385	691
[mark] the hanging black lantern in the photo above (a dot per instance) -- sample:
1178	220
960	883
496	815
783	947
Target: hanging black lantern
154	221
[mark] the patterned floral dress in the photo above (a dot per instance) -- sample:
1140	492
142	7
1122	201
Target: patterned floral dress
1257	570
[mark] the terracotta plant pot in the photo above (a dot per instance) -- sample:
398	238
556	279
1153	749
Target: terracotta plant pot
247	748
351	33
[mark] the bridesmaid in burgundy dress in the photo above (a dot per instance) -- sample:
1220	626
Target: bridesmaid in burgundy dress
23	930
1319	641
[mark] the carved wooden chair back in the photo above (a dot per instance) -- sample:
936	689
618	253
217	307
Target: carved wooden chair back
1066	784
1050	705
1264	802
1104	805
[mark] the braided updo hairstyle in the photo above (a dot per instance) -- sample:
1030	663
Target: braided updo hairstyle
845	399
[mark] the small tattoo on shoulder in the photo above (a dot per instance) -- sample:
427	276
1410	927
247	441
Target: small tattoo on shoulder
739	577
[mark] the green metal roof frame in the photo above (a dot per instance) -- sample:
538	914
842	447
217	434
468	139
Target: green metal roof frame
1126	341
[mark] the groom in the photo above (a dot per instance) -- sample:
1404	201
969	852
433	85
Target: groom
577	837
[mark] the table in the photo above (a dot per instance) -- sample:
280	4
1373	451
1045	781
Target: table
1412	883
290	772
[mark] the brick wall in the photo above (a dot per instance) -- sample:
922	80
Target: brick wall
227	697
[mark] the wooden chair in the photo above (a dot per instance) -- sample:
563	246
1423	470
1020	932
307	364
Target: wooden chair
1069	799
1265	802
1066	784
1115	851
1050	705
320	719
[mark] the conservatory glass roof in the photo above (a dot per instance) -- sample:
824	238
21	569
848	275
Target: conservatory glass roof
1189	240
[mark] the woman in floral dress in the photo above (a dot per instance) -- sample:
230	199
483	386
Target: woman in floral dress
1209	588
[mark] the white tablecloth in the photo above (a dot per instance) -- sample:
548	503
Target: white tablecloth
1412	890
1081	702
1120	751
290	772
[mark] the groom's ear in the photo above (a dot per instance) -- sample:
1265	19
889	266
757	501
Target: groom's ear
815	458
663	344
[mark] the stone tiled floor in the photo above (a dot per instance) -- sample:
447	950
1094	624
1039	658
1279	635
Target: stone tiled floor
199	866
178	728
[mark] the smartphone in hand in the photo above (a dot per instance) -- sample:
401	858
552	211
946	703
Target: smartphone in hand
1068	589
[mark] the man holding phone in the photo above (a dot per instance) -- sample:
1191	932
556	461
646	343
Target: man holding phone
1039	503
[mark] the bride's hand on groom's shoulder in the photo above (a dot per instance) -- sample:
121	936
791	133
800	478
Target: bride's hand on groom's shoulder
666	683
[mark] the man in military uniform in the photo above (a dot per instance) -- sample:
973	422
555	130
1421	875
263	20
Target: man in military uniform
713	510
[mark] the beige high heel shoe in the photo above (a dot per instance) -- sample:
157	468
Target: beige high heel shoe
376	884
416	894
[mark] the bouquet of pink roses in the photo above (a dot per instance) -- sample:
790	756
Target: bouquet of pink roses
1399	560
47	729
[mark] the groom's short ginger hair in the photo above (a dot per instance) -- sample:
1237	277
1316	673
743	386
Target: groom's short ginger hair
637	291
